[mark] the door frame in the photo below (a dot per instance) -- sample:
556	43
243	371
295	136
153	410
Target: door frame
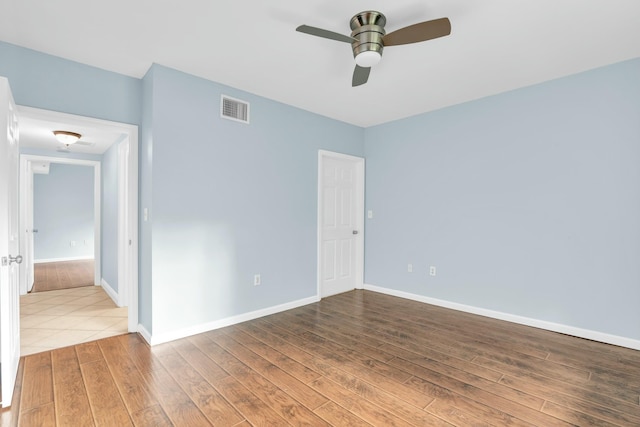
360	185
127	201
26	209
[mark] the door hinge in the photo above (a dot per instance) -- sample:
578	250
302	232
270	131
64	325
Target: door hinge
5	261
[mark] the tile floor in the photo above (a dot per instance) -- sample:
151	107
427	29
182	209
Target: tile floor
65	317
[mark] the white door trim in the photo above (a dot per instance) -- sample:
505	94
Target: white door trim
27	206
127	196
128	226
322	155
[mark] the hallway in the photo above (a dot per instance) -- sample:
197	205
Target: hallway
60	318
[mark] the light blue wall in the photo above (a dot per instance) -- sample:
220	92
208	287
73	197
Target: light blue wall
109	218
527	203
63	212
230	200
48	82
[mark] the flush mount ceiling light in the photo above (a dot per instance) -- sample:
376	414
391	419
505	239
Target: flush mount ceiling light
66	137
368	58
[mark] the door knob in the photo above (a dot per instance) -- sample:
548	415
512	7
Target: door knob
16	259
10	260
355	231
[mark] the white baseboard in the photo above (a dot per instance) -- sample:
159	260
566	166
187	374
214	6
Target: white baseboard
111	292
536	323
154	339
145	334
77	258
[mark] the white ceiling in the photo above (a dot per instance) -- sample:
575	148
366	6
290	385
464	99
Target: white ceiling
495	46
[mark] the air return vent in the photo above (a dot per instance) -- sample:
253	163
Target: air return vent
234	109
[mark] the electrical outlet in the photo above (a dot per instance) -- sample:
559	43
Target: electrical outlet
432	271
256	280
410	268
73	243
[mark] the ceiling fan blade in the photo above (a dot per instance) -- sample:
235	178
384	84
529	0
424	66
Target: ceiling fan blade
418	32
319	32
360	75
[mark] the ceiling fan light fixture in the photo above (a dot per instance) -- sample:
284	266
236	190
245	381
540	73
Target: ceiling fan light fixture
67	137
369	38
368	58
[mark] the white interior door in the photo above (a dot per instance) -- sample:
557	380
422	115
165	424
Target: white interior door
26	225
340	223
29	232
9	246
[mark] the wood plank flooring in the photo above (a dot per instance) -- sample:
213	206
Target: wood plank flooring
51	276
355	359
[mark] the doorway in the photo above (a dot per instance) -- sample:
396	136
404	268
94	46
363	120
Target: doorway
121	237
340	223
62	222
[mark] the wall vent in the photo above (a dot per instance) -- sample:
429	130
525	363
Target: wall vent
234	109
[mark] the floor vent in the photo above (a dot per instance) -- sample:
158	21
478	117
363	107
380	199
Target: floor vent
234	109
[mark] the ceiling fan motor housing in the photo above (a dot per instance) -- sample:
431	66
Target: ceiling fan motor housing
368	29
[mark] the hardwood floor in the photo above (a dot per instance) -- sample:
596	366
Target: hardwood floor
355	359
51	276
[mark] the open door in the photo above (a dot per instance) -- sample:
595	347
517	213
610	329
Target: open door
9	247
27	170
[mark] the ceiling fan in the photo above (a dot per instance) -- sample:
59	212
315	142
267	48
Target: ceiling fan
368	38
